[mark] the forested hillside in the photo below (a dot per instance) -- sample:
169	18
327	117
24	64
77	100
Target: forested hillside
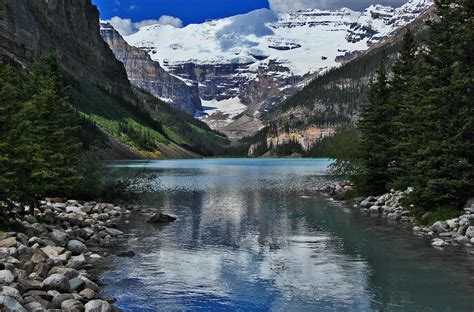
333	100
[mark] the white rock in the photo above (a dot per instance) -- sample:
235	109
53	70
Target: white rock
439	226
470	232
6	277
438	242
98	306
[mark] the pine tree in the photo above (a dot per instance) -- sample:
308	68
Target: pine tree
401	104
442	165
43	141
374	124
10	97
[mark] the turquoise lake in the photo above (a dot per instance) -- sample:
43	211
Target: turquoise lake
256	235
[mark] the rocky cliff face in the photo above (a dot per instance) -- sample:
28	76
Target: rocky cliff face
69	28
147	74
333	100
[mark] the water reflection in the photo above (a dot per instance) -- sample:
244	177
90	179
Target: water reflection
254	235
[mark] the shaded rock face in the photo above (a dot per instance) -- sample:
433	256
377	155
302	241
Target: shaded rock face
147	74
70	29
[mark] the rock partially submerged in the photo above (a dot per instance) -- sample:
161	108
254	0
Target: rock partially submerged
161	218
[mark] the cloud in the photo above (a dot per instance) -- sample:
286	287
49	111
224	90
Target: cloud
126	27
295	5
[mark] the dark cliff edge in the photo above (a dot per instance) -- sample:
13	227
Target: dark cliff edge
100	88
147	74
68	28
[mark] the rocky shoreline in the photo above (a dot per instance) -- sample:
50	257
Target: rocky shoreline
457	231
46	265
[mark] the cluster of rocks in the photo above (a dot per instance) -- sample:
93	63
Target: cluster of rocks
338	190
389	205
45	265
456	231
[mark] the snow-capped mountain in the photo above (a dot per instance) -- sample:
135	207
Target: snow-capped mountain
263	56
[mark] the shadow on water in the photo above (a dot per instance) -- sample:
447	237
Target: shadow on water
255	235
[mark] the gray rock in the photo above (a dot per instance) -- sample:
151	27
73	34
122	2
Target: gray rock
470	232
440	226
446	234
57	282
87	293
6	277
76	247
59	237
11	292
161	218
35	306
10	304
113	232
72	305
68	272
76	262
75	210
375	209
8	242
58	300
89	284
52	251
76	284
462	239
472	241
438	242
98	306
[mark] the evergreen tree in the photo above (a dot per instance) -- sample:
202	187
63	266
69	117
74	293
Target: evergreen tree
42	142
374	124
401	103
443	161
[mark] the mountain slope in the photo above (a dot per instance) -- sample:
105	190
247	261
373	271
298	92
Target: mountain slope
263	57
147	74
100	89
333	99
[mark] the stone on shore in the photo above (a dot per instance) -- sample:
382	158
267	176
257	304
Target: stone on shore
98	306
6	277
10	304
57	282
9	242
76	247
72	305
438	242
470	232
161	218
440	227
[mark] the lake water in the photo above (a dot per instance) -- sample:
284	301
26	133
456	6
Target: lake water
256	235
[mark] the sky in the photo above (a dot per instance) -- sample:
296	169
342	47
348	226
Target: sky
129	15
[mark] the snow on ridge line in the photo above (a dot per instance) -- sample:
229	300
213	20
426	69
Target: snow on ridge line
305	41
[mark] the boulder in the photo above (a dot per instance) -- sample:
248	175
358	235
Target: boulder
8	242
470	232
6	277
34	306
57	282
58	300
87	294
10	304
68	272
76	262
439	226
161	218
76	284
59	237
72	305
89	284
438	242
76	247
375	209
98	306
11	292
52	251
113	232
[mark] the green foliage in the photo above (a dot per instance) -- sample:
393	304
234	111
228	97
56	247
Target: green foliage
98	181
39	143
417	129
